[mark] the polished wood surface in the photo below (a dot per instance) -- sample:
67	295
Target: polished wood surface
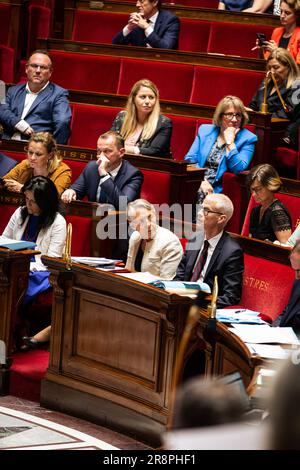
113	349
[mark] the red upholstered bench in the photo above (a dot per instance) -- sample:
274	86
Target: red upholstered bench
6	64
39	18
156	186
5	13
184	132
76	167
90	121
266	286
223	81
235	39
174	81
194	35
6	213
97	26
81	245
86	72
292	203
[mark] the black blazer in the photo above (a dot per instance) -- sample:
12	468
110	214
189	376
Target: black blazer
160	142
227	262
291	314
164	36
127	183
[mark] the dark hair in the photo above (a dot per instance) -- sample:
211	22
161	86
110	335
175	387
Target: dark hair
46	197
207	402
266	175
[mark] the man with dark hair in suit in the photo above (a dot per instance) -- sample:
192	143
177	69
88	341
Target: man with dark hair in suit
291	314
150	27
38	105
108	178
212	252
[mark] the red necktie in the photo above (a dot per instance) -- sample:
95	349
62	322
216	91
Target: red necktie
201	262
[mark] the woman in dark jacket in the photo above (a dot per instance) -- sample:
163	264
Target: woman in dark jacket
144	130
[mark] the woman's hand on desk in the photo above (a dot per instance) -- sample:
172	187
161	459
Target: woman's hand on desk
13	185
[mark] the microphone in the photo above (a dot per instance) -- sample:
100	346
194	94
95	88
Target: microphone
264	104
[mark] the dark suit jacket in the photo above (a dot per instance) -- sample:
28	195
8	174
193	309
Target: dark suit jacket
127	183
6	164
159	144
291	314
164	36
50	112
227	262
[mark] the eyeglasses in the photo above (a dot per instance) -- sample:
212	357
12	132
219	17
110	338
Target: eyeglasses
230	116
37	66
256	190
207	211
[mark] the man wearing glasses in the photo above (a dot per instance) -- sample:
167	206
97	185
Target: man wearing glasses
38	105
212	252
150	26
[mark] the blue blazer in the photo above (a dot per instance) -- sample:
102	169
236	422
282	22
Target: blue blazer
227	262
235	161
127	183
164	36
6	164
50	112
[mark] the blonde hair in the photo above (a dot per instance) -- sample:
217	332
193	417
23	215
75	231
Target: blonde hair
285	59
48	141
224	104
130	121
266	175
134	206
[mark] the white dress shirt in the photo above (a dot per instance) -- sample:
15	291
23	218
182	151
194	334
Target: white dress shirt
112	174
148	30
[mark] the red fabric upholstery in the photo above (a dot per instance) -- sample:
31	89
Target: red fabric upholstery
38	25
76	167
156	187
97	26
288	162
199	3
194	35
6	64
233	189
4	22
291	203
88	122
166	76
184	132
225	38
6	213
86	72
81	245
263	286
27	371
223	81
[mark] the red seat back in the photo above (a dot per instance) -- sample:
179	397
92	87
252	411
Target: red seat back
166	76
184	132
263	287
235	38
6	213
81	245
5	12
86	72
38	25
97	26
156	187
222	82
194	35
89	122
6	64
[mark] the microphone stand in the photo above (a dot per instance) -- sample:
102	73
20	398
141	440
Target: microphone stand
264	104
67	250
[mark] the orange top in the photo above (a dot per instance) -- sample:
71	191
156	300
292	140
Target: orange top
293	45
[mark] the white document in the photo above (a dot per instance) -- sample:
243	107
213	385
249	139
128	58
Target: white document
265	334
242	315
269	351
93	261
145	277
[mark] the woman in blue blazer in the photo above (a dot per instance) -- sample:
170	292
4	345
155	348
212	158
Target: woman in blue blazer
222	146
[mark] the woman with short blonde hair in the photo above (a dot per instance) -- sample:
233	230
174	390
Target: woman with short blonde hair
141	125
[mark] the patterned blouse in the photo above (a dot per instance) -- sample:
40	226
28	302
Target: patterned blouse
213	161
275	219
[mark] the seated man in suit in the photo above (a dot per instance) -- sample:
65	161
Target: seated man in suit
38	105
291	314
213	252
108	178
150	27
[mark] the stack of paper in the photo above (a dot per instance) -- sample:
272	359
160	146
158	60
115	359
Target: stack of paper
265	334
269	351
95	262
232	315
16	244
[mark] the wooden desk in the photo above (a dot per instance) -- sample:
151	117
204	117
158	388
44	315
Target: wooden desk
14	269
113	348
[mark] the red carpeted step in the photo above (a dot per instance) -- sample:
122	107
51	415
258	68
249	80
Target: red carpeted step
26	373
